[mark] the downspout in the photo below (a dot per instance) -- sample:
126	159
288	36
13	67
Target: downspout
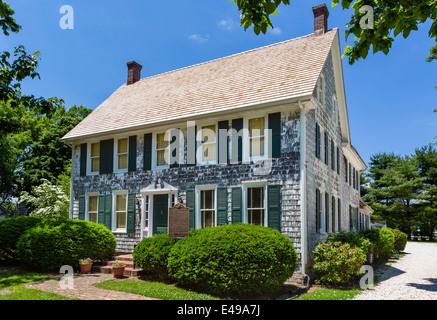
70	213
303	178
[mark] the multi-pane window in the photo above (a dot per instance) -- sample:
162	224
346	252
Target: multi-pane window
255	206
146	214
208	143
256	137
207	208
122	147
95	157
321	90
92	208
120	210
161	150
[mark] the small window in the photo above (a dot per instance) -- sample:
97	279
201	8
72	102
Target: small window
122	147
95	157
321	90
161	150
207	208
256	137
92	208
120	210
208	143
146	214
255	206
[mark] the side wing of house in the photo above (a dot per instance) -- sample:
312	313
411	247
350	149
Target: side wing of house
333	166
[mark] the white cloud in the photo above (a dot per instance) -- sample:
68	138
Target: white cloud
226	24
276	30
197	38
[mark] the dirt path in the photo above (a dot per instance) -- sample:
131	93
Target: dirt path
413	277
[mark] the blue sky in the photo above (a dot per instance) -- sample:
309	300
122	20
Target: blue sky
390	98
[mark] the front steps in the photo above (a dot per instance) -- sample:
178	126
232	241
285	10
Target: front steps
129	271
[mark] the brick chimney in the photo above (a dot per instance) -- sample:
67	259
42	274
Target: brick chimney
133	72
321	15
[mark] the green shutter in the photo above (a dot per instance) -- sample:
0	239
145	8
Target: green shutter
333	214
223	153
132	162
222	206
108	211
83	156
274	206
326	148
237	124
351	223
338	160
190	203
147	154
326	212
101	210
339	214
236	207
191	154
130	212
275	127
318	207
82	208
317	140
332	155
106	156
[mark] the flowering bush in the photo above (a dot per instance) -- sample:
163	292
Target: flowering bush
49	201
336	263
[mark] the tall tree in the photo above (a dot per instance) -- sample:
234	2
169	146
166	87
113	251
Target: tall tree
399	190
427	163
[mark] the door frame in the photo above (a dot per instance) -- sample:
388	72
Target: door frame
150	191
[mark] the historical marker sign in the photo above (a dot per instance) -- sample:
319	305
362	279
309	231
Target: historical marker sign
178	221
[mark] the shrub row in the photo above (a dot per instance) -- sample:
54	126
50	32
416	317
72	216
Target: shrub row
47	244
238	259
341	257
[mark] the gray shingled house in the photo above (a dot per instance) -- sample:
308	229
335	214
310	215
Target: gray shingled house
257	137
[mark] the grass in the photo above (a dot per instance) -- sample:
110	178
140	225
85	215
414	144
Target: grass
12	286
152	289
329	294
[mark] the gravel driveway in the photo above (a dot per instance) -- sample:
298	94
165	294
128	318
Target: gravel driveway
413	277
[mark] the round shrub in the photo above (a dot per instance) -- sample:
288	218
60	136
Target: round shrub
54	243
238	259
400	240
151	254
336	263
11	229
382	240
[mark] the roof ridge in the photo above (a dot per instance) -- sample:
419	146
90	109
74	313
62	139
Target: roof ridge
232	55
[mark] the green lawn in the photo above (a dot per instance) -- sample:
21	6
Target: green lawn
12	286
157	290
329	294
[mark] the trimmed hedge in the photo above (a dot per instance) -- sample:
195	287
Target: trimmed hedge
354	238
54	243
11	229
400	240
382	240
336	262
151	254
238	259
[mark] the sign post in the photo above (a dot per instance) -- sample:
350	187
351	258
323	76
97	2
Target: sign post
178	221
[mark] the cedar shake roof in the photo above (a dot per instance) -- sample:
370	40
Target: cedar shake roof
272	73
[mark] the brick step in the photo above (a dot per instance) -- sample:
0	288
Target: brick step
128	271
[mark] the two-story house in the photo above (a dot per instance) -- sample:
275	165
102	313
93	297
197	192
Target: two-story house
257	137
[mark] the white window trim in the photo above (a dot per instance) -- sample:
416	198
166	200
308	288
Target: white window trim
246	138
198	215
254	184
114	211
199	149
115	169
88	160
87	203
154	150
